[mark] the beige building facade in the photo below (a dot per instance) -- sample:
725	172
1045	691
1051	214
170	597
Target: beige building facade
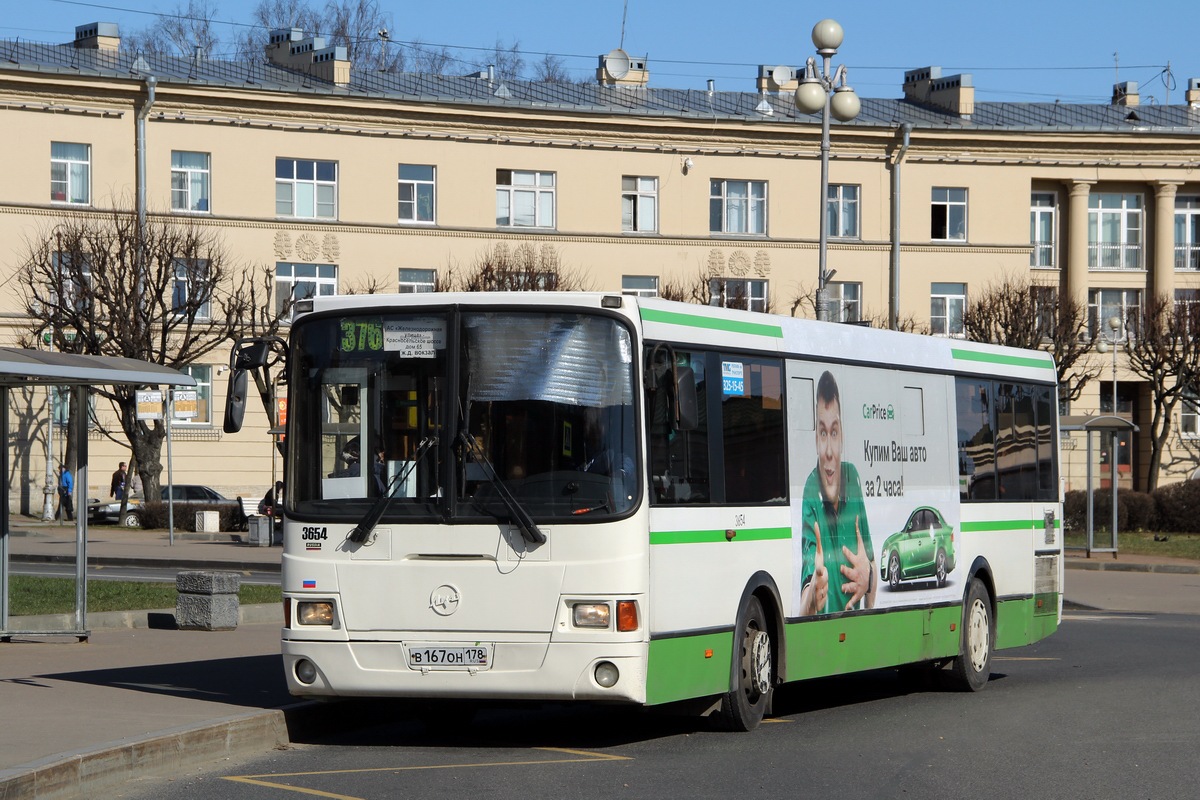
335	178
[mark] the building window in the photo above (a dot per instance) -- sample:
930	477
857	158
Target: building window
1103	304
842	204
74	282
639	204
1114	231
1187	233
203	377
190	175
298	281
737	207
192	293
417	280
640	285
948	215
524	199
1045	309
743	293
1042	229
305	189
946	304
1189	415
1187	309
417	193
70	173
844	302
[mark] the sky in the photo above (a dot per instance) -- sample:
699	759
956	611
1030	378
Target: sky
1014	50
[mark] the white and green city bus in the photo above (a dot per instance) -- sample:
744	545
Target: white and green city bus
578	496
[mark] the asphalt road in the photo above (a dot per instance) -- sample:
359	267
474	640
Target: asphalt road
1104	708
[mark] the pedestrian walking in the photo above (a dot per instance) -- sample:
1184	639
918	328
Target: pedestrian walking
117	487
66	490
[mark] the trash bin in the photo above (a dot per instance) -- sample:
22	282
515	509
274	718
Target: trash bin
260	531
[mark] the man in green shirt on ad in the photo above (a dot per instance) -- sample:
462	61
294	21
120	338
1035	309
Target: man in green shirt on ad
835	533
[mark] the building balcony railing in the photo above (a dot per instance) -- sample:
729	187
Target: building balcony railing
1114	256
1187	257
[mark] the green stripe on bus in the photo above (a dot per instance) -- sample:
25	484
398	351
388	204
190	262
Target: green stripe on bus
703	537
988	526
699	666
688	666
696	321
997	358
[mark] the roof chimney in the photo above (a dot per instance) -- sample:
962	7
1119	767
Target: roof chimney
291	49
953	93
778	79
1125	93
617	68
105	36
1192	95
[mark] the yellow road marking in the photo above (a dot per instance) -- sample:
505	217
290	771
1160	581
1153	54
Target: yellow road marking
260	780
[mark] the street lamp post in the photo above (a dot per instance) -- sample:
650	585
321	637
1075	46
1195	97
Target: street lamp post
824	89
1112	340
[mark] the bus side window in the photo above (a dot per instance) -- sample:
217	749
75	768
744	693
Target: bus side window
679	468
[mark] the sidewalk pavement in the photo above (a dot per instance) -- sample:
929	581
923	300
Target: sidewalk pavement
135	700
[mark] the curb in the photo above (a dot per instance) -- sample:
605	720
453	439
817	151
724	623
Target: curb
150	618
151	563
1127	566
88	773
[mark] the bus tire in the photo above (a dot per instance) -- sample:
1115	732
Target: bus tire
973	664
743	707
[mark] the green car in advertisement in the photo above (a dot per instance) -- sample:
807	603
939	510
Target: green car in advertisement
924	549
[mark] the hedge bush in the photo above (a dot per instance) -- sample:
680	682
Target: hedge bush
154	515
1136	511
1178	507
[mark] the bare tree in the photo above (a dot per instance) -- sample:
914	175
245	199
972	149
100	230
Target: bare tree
551	69
270	15
365	31
168	294
523	268
182	31
1163	348
1017	312
508	61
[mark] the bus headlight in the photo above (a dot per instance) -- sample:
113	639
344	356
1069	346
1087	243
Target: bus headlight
315	613
590	615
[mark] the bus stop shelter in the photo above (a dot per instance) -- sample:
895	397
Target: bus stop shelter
20	368
1102	424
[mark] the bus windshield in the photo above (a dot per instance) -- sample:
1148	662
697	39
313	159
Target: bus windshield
446	413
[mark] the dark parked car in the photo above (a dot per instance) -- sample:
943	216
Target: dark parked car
186	498
923	549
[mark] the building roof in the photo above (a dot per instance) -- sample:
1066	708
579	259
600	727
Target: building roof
20	367
17	55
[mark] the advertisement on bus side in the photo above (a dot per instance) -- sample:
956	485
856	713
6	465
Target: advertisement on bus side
876	517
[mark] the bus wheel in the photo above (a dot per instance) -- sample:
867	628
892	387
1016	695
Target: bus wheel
894	571
941	568
743	707
973	664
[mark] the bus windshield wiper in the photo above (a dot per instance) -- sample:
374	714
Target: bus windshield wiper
360	532
519	516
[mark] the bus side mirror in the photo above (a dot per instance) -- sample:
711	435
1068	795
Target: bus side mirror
235	401
687	416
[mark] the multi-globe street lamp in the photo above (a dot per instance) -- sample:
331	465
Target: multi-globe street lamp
824	89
